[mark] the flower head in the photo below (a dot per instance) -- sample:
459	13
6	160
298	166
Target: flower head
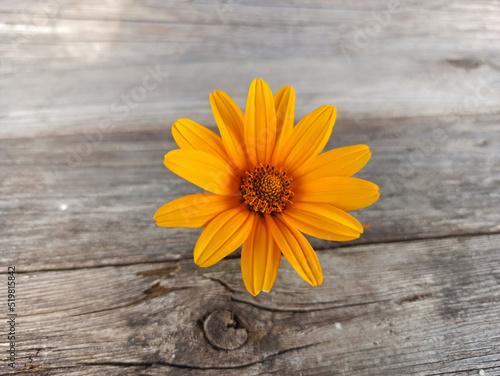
269	183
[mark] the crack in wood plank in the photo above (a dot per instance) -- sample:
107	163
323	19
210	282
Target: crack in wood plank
177	365
236	256
305	310
155	291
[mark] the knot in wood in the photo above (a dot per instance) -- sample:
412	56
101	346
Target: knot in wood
222	331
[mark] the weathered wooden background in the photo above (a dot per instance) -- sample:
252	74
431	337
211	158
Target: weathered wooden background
102	290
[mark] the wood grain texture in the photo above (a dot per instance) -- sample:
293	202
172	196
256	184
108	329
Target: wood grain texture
89	91
79	59
379	311
75	201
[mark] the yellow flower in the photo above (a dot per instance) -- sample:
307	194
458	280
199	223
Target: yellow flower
268	183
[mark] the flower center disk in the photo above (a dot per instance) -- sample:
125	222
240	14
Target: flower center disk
266	190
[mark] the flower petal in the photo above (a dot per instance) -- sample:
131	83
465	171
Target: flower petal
323	221
203	169
260	258
194	210
344	161
191	135
223	235
297	250
284	103
260	123
308	137
230	120
343	192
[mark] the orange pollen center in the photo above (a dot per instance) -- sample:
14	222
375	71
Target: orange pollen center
266	190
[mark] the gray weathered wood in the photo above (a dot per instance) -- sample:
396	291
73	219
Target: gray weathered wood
418	308
428	59
436	179
102	290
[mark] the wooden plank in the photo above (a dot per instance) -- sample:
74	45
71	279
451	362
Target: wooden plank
87	56
71	102
68	202
428	307
104	291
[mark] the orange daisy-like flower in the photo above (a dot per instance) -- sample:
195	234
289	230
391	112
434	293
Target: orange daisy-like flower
268	183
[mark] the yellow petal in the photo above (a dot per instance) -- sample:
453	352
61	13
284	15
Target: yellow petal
284	103
323	221
203	169
260	258
230	120
260	123
297	250
223	235
308	137
194	210
342	192
344	161
191	135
